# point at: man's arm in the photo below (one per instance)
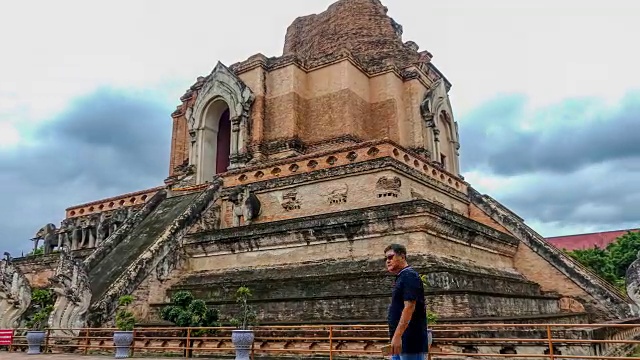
(410, 287)
(396, 340)
(407, 313)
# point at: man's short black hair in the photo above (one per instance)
(397, 248)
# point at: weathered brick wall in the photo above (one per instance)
(179, 143)
(471, 305)
(360, 291)
(550, 279)
(533, 267)
(360, 26)
(360, 192)
(38, 269)
(180, 139)
(336, 114)
(154, 289)
(478, 215)
(331, 101)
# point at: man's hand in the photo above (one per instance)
(396, 345)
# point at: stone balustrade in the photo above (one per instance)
(112, 203)
(354, 154)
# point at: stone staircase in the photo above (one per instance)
(132, 253)
(143, 249)
(104, 273)
(610, 300)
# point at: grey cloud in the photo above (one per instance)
(106, 143)
(605, 196)
(583, 132)
(579, 171)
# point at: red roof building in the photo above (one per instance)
(586, 241)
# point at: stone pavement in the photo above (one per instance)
(4, 355)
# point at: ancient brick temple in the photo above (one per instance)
(291, 174)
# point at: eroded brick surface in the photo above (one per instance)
(360, 26)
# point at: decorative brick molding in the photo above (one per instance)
(349, 155)
(112, 203)
(107, 246)
(347, 225)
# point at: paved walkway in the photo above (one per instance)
(20, 356)
(14, 356)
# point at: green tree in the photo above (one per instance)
(612, 262)
(42, 301)
(597, 260)
(247, 315)
(125, 321)
(623, 252)
(187, 311)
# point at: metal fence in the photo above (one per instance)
(543, 341)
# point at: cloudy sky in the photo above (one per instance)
(547, 97)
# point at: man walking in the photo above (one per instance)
(408, 312)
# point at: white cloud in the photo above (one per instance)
(9, 135)
(546, 49)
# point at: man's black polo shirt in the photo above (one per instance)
(408, 287)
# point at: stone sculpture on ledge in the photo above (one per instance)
(15, 294)
(48, 234)
(82, 232)
(71, 285)
(246, 206)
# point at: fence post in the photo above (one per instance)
(550, 340)
(133, 343)
(330, 342)
(187, 343)
(86, 340)
(46, 340)
(13, 336)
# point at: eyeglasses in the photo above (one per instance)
(389, 257)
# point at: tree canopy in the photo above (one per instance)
(611, 263)
(187, 311)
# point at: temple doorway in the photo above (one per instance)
(215, 141)
(223, 143)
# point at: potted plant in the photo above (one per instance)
(36, 333)
(42, 303)
(125, 322)
(242, 338)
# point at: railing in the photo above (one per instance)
(542, 341)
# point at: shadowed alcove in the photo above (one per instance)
(216, 139)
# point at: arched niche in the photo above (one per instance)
(449, 140)
(215, 139)
(441, 131)
(223, 96)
